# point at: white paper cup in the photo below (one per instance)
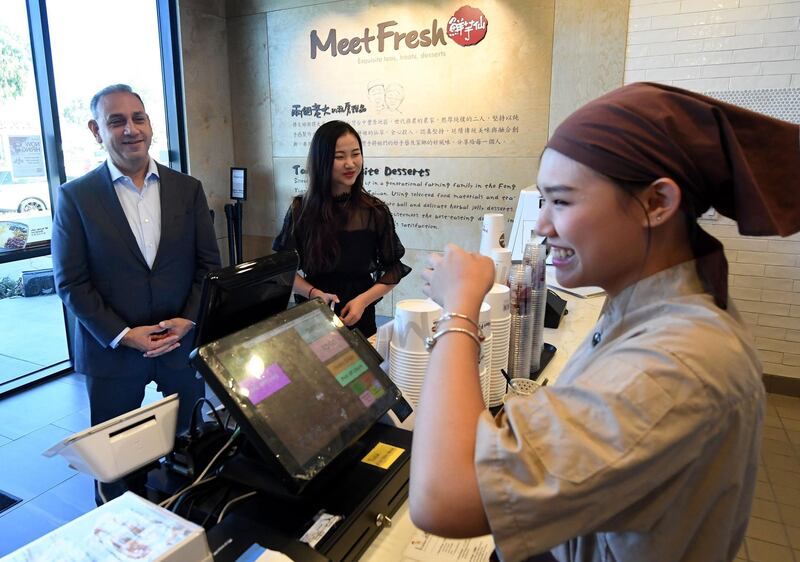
(409, 374)
(413, 322)
(492, 233)
(502, 263)
(416, 368)
(413, 377)
(417, 371)
(485, 319)
(485, 323)
(499, 298)
(406, 353)
(409, 371)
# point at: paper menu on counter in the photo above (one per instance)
(126, 528)
(425, 547)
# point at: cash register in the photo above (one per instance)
(306, 393)
(307, 470)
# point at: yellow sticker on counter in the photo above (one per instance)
(383, 455)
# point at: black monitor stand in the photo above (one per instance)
(548, 350)
(248, 469)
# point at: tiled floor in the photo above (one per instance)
(53, 493)
(774, 531)
(30, 422)
(37, 340)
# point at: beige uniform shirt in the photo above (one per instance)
(646, 447)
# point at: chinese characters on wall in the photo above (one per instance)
(444, 130)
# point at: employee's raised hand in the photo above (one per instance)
(457, 278)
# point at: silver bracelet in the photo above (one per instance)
(450, 315)
(430, 341)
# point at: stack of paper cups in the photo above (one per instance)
(408, 358)
(492, 233)
(485, 357)
(498, 298)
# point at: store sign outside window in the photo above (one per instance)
(27, 158)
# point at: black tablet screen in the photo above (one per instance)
(303, 384)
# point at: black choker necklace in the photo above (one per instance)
(342, 197)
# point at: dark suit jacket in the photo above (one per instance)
(103, 278)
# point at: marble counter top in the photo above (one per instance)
(581, 318)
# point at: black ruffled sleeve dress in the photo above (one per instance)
(370, 253)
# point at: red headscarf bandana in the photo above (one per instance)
(744, 164)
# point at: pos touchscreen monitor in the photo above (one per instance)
(302, 386)
(240, 295)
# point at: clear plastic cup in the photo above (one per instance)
(521, 336)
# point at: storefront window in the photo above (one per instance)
(24, 191)
(32, 337)
(120, 44)
(89, 44)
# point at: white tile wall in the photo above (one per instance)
(767, 26)
(707, 5)
(659, 9)
(755, 82)
(765, 285)
(702, 84)
(782, 38)
(746, 52)
(703, 31)
(734, 42)
(763, 54)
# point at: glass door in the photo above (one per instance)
(121, 45)
(32, 329)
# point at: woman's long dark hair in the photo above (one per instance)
(320, 217)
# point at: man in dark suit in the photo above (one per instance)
(132, 241)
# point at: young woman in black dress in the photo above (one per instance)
(349, 250)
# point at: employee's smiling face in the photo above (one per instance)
(594, 228)
(347, 163)
(123, 127)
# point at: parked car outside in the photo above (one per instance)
(23, 197)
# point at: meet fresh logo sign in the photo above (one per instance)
(466, 27)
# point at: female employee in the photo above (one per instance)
(646, 448)
(349, 250)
